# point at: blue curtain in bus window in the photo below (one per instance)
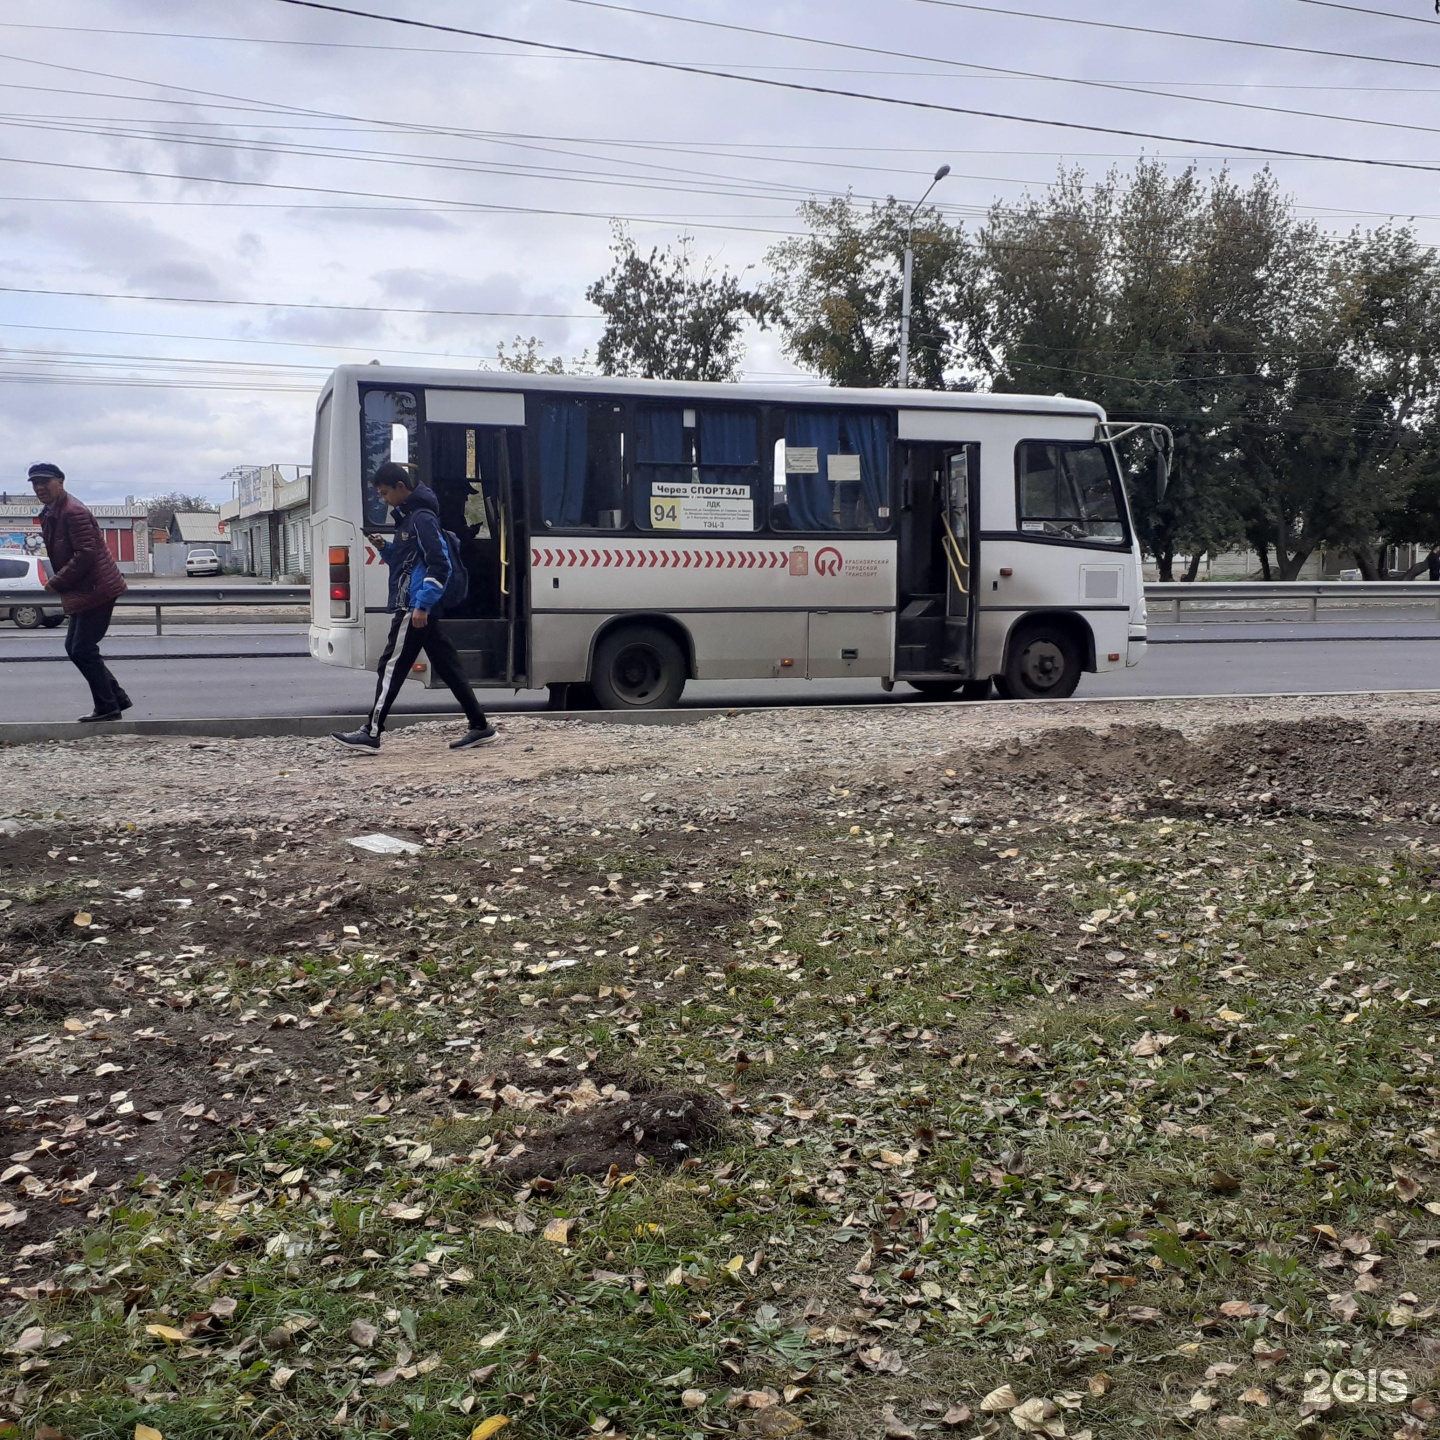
(870, 439)
(564, 443)
(660, 450)
(727, 437)
(808, 496)
(660, 436)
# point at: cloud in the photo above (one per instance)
(114, 442)
(551, 120)
(374, 217)
(501, 303)
(187, 277)
(326, 327)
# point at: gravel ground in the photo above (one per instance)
(1358, 754)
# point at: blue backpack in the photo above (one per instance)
(457, 588)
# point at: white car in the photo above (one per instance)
(29, 572)
(203, 562)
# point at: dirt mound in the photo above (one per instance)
(663, 1128)
(1315, 765)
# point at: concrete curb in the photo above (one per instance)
(250, 727)
(260, 727)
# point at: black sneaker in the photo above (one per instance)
(359, 739)
(472, 738)
(99, 715)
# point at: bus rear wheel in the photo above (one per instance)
(638, 667)
(1044, 663)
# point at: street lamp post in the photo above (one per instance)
(940, 174)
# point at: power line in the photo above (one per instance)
(325, 345)
(298, 305)
(895, 100)
(1361, 10)
(469, 206)
(1171, 34)
(1124, 87)
(727, 186)
(507, 54)
(249, 105)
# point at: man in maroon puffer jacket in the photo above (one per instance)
(88, 582)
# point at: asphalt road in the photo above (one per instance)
(237, 671)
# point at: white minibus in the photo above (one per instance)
(627, 536)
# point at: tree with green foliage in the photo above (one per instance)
(1299, 372)
(667, 320)
(527, 357)
(161, 509)
(1389, 296)
(836, 294)
(1295, 370)
(1132, 292)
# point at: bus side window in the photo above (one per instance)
(389, 430)
(832, 472)
(1068, 489)
(582, 465)
(696, 468)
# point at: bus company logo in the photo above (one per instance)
(829, 561)
(799, 561)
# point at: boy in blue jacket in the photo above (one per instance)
(419, 562)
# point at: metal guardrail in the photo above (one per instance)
(1197, 602)
(178, 597)
(1259, 600)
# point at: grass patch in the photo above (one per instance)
(1136, 1118)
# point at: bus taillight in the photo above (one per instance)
(339, 582)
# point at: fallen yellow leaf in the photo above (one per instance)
(492, 1426)
(83, 919)
(1000, 1401)
(167, 1332)
(147, 1432)
(558, 1231)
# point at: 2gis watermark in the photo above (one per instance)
(1357, 1387)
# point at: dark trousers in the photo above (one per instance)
(82, 645)
(402, 649)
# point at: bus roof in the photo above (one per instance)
(805, 393)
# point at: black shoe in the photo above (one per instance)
(123, 701)
(99, 715)
(484, 736)
(359, 739)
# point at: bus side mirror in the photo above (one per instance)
(1162, 475)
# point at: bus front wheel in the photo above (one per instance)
(638, 668)
(1044, 663)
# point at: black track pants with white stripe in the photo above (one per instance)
(402, 650)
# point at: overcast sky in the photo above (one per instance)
(289, 158)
